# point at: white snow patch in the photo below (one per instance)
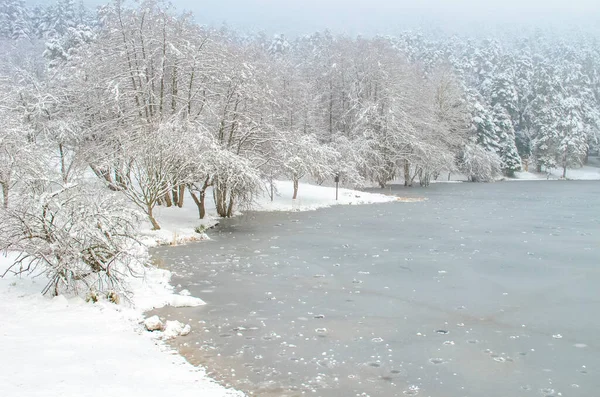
(96, 349)
(173, 329)
(585, 173)
(153, 324)
(312, 197)
(185, 301)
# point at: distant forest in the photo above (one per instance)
(154, 104)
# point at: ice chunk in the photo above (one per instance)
(153, 324)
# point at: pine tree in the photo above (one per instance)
(504, 92)
(505, 135)
(572, 136)
(482, 124)
(543, 114)
(523, 79)
(55, 20)
(15, 22)
(279, 45)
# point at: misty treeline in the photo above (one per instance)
(140, 105)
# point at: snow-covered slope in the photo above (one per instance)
(66, 347)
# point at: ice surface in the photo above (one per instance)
(439, 297)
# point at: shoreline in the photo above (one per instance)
(104, 348)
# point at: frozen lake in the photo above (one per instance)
(482, 290)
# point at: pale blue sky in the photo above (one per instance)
(385, 16)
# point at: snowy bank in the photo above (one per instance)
(65, 347)
(585, 173)
(178, 225)
(100, 349)
(312, 197)
(181, 225)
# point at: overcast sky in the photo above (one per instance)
(386, 16)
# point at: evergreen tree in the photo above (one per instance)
(505, 135)
(279, 45)
(15, 23)
(572, 139)
(504, 92)
(482, 124)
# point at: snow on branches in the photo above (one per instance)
(77, 237)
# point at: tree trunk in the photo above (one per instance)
(413, 177)
(155, 225)
(167, 198)
(220, 196)
(181, 195)
(230, 207)
(295, 189)
(421, 178)
(63, 167)
(407, 179)
(4, 194)
(564, 175)
(175, 193)
(200, 200)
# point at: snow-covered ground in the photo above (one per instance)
(67, 347)
(312, 197)
(585, 173)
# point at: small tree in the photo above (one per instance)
(306, 156)
(479, 164)
(153, 160)
(78, 237)
(236, 181)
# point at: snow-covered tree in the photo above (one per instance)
(79, 238)
(505, 135)
(479, 164)
(572, 137)
(304, 155)
(154, 165)
(482, 125)
(279, 45)
(15, 21)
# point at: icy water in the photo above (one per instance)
(483, 290)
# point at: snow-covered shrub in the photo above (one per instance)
(479, 164)
(236, 183)
(78, 237)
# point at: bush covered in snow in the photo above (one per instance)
(77, 237)
(479, 164)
